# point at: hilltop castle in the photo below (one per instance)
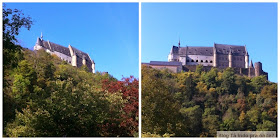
(71, 55)
(220, 56)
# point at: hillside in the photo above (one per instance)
(45, 96)
(199, 103)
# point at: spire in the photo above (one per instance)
(251, 64)
(179, 43)
(41, 35)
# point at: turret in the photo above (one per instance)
(38, 44)
(93, 67)
(92, 64)
(73, 56)
(215, 56)
(251, 71)
(251, 64)
(170, 56)
(230, 58)
(246, 58)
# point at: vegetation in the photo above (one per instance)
(45, 96)
(198, 104)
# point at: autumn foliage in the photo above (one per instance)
(200, 103)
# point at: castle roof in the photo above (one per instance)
(235, 49)
(64, 50)
(190, 50)
(208, 51)
(55, 47)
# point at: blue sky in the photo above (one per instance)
(108, 32)
(202, 24)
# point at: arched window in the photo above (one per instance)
(201, 61)
(196, 61)
(210, 61)
(192, 60)
(206, 61)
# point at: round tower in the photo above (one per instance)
(258, 68)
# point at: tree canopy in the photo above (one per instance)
(198, 104)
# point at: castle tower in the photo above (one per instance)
(215, 56)
(258, 68)
(230, 58)
(251, 70)
(73, 55)
(246, 58)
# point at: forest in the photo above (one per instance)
(198, 104)
(44, 96)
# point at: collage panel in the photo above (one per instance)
(70, 69)
(209, 70)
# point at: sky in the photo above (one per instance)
(108, 32)
(202, 24)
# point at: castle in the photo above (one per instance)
(220, 56)
(71, 55)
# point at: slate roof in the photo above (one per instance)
(191, 50)
(55, 47)
(235, 49)
(166, 63)
(208, 51)
(81, 54)
(200, 51)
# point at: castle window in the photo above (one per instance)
(206, 61)
(196, 61)
(210, 61)
(201, 60)
(192, 60)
